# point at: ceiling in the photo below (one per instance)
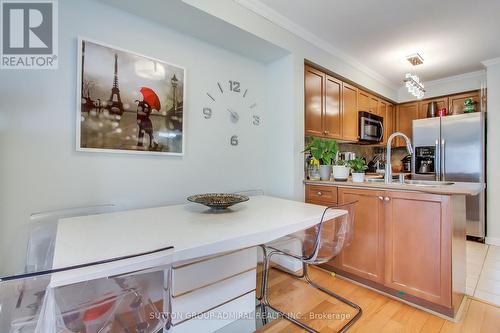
(194, 22)
(453, 36)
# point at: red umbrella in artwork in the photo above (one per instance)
(151, 98)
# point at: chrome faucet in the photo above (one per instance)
(388, 165)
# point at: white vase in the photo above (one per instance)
(325, 172)
(358, 177)
(340, 172)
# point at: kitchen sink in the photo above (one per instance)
(375, 180)
(429, 183)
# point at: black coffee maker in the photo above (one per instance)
(424, 160)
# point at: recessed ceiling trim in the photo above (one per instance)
(276, 18)
(491, 62)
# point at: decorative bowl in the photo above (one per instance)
(218, 201)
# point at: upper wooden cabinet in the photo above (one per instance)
(405, 114)
(322, 104)
(314, 85)
(456, 102)
(367, 102)
(349, 112)
(373, 105)
(331, 107)
(332, 121)
(418, 245)
(388, 122)
(442, 102)
(363, 101)
(382, 108)
(364, 256)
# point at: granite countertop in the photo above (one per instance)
(456, 188)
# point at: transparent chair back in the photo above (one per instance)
(324, 241)
(125, 304)
(40, 249)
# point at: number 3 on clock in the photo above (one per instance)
(234, 86)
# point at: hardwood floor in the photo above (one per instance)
(380, 313)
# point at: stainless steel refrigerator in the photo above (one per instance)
(452, 149)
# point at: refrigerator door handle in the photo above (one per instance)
(442, 156)
(437, 161)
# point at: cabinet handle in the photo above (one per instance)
(320, 194)
(381, 198)
(327, 132)
(387, 199)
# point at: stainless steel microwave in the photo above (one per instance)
(371, 128)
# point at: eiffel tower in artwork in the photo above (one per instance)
(115, 104)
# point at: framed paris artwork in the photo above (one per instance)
(128, 103)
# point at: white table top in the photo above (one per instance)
(192, 229)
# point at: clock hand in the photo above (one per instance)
(234, 115)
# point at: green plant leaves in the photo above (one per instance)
(324, 150)
(358, 165)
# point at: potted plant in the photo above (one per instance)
(341, 170)
(313, 169)
(358, 167)
(324, 151)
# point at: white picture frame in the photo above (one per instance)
(83, 132)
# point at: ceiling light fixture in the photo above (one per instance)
(415, 59)
(414, 86)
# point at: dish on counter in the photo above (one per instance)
(218, 201)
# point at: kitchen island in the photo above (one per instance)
(409, 240)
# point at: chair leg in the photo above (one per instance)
(305, 277)
(264, 256)
(340, 298)
(265, 299)
(263, 285)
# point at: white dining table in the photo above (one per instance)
(193, 230)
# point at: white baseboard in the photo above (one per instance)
(492, 241)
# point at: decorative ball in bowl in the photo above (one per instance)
(218, 201)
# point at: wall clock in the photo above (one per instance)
(234, 102)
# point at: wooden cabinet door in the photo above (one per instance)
(349, 112)
(418, 246)
(363, 101)
(422, 107)
(388, 122)
(382, 108)
(314, 85)
(332, 120)
(364, 256)
(405, 114)
(373, 105)
(456, 103)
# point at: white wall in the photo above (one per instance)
(289, 167)
(493, 121)
(39, 167)
(447, 86)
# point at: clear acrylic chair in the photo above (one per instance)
(40, 249)
(319, 244)
(127, 303)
